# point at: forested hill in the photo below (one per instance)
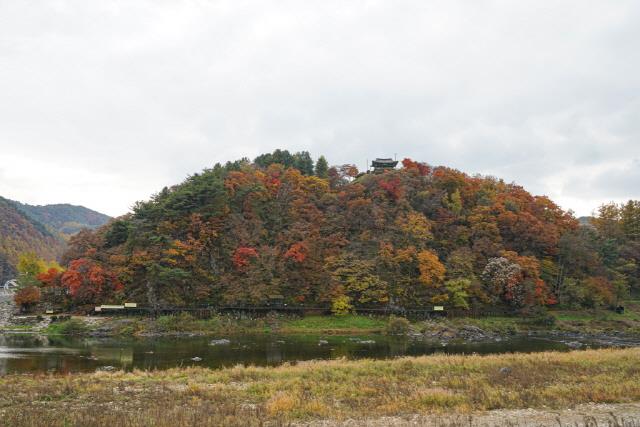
(280, 228)
(64, 219)
(19, 234)
(39, 229)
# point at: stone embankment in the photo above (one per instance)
(12, 321)
(469, 333)
(7, 307)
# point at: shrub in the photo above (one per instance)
(27, 297)
(540, 317)
(398, 326)
(341, 306)
(68, 327)
(182, 322)
(458, 290)
(598, 292)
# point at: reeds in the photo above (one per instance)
(324, 390)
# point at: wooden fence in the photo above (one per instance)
(257, 311)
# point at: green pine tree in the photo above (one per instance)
(322, 167)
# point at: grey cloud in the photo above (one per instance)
(131, 96)
(612, 182)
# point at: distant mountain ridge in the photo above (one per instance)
(39, 229)
(65, 219)
(18, 234)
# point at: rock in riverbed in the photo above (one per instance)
(222, 341)
(444, 333)
(505, 370)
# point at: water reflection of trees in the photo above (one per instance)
(30, 353)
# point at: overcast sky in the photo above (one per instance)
(104, 103)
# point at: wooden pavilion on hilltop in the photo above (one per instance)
(381, 165)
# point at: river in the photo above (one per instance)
(23, 353)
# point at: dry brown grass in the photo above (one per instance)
(333, 390)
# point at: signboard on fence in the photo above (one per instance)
(438, 308)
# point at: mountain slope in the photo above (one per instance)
(18, 234)
(65, 219)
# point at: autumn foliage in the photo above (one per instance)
(87, 282)
(412, 237)
(297, 252)
(242, 256)
(422, 168)
(27, 297)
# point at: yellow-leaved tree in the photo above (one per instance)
(432, 273)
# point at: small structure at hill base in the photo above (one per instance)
(381, 165)
(276, 301)
(10, 285)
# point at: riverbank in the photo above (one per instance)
(587, 323)
(599, 323)
(331, 391)
(186, 325)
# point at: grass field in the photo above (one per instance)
(631, 313)
(328, 390)
(185, 324)
(338, 324)
(601, 320)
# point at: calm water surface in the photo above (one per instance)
(29, 353)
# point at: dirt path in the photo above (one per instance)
(590, 415)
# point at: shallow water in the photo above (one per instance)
(31, 353)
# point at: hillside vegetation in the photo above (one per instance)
(281, 229)
(19, 234)
(39, 230)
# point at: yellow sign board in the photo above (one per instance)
(438, 308)
(130, 305)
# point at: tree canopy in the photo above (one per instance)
(410, 237)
